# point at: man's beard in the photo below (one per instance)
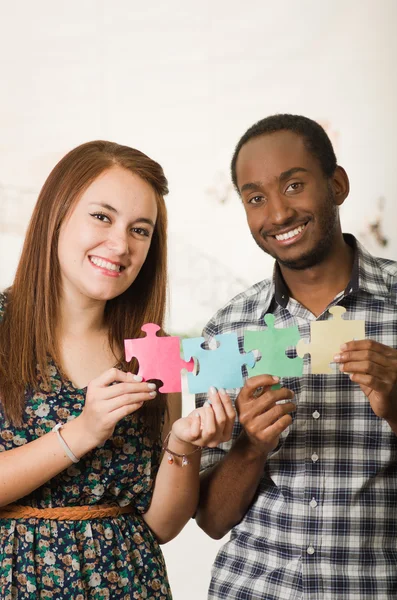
(327, 222)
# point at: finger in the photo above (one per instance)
(277, 428)
(371, 382)
(367, 356)
(195, 427)
(262, 423)
(369, 345)
(208, 425)
(230, 413)
(112, 375)
(370, 369)
(269, 399)
(118, 389)
(254, 387)
(218, 410)
(260, 381)
(129, 399)
(124, 411)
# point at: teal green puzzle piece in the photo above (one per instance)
(221, 367)
(272, 343)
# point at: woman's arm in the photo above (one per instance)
(176, 489)
(26, 468)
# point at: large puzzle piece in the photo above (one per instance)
(327, 337)
(158, 358)
(221, 367)
(272, 343)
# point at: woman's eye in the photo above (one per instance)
(141, 231)
(100, 217)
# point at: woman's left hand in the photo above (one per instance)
(209, 425)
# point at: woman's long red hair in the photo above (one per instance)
(27, 332)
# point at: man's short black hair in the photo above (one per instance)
(314, 137)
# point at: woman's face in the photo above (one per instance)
(104, 241)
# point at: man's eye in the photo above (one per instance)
(294, 187)
(100, 217)
(255, 200)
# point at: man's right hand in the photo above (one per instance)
(261, 418)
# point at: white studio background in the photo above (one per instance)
(182, 81)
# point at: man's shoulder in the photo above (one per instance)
(243, 308)
(379, 271)
(388, 267)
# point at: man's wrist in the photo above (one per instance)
(251, 450)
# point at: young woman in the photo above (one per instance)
(80, 434)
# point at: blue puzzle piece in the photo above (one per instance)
(221, 367)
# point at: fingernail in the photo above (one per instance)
(208, 403)
(151, 386)
(341, 367)
(138, 378)
(152, 394)
(222, 391)
(336, 357)
(343, 347)
(275, 378)
(197, 414)
(212, 390)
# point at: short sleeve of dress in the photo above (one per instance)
(3, 299)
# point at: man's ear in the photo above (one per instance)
(341, 185)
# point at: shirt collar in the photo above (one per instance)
(366, 275)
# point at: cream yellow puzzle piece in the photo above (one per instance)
(326, 338)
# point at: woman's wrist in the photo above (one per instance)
(77, 437)
(175, 444)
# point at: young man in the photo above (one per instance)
(308, 486)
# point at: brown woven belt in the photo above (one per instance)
(67, 513)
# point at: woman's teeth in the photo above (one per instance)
(99, 262)
(290, 234)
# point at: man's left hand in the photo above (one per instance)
(374, 367)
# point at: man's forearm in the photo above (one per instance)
(227, 489)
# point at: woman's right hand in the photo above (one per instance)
(111, 397)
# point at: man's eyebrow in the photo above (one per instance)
(256, 185)
(286, 174)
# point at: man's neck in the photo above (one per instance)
(315, 288)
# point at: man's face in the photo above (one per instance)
(290, 205)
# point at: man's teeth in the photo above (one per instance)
(290, 234)
(105, 264)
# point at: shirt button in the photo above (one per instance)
(316, 414)
(314, 457)
(313, 503)
(310, 550)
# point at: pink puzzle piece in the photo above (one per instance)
(158, 358)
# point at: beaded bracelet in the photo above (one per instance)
(171, 453)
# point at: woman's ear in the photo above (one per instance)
(341, 185)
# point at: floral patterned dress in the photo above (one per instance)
(113, 557)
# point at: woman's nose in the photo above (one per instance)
(118, 242)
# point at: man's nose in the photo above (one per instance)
(280, 210)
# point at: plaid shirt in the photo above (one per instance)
(323, 524)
